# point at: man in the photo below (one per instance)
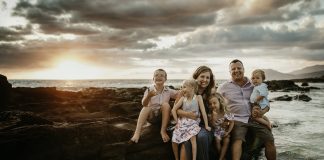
(237, 92)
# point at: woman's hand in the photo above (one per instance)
(192, 115)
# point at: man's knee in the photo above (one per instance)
(270, 145)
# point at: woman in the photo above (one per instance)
(205, 79)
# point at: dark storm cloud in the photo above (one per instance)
(152, 15)
(14, 33)
(49, 19)
(117, 33)
(17, 56)
(270, 11)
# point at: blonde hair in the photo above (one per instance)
(222, 103)
(259, 71)
(192, 83)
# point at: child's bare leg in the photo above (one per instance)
(218, 145)
(194, 147)
(183, 155)
(226, 141)
(175, 150)
(165, 109)
(267, 119)
(144, 114)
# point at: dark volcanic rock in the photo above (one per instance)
(302, 97)
(283, 98)
(286, 85)
(5, 92)
(91, 124)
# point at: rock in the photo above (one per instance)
(302, 97)
(304, 84)
(14, 119)
(5, 92)
(283, 98)
(285, 85)
(95, 123)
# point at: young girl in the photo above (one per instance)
(222, 121)
(188, 128)
(259, 97)
(155, 101)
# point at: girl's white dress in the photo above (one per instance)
(186, 127)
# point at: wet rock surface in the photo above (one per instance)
(44, 123)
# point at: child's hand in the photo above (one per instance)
(255, 112)
(151, 93)
(208, 128)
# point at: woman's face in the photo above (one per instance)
(203, 79)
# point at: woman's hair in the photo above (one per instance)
(222, 103)
(192, 83)
(261, 73)
(203, 69)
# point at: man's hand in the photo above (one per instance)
(225, 124)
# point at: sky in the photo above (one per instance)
(127, 39)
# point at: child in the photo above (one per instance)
(222, 121)
(188, 128)
(155, 101)
(259, 97)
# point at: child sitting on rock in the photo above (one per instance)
(156, 102)
(222, 121)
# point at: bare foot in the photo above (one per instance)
(165, 136)
(135, 138)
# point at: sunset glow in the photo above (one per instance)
(70, 69)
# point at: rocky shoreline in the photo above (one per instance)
(95, 123)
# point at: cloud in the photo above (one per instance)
(14, 33)
(129, 34)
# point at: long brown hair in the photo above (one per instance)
(203, 69)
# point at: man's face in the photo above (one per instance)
(237, 71)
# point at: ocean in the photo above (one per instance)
(300, 130)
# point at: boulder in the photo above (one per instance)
(302, 97)
(283, 98)
(5, 92)
(285, 85)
